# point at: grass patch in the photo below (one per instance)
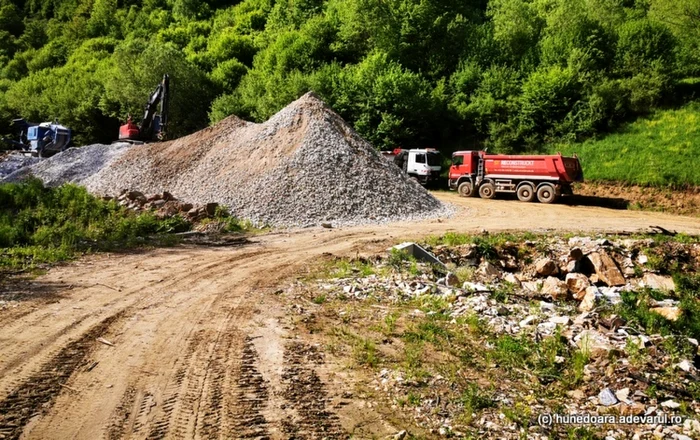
(663, 149)
(636, 310)
(47, 225)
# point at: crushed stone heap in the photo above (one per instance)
(302, 167)
(71, 166)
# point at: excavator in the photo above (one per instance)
(155, 120)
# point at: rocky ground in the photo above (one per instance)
(517, 327)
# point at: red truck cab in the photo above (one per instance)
(544, 177)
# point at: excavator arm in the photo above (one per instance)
(154, 122)
(155, 117)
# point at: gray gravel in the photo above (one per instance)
(13, 162)
(73, 165)
(303, 167)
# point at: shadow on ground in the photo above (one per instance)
(603, 202)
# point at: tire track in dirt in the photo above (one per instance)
(18, 354)
(306, 394)
(37, 393)
(251, 397)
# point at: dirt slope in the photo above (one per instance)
(202, 348)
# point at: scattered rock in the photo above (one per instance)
(511, 278)
(588, 302)
(489, 270)
(670, 313)
(577, 284)
(594, 342)
(545, 267)
(658, 282)
(672, 404)
(562, 320)
(556, 288)
(606, 269)
(606, 397)
(400, 435)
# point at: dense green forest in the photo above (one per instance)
(511, 75)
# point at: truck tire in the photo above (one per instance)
(526, 192)
(465, 189)
(546, 194)
(487, 191)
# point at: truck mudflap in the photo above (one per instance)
(564, 190)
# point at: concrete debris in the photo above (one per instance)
(417, 251)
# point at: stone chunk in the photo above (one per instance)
(556, 288)
(670, 313)
(658, 282)
(545, 267)
(606, 269)
(489, 270)
(589, 299)
(594, 342)
(577, 284)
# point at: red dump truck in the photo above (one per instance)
(543, 177)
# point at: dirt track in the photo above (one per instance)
(202, 347)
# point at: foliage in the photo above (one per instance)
(664, 148)
(510, 75)
(39, 224)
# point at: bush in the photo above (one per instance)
(54, 223)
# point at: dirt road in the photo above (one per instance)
(195, 343)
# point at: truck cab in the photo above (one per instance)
(422, 164)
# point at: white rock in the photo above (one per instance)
(658, 282)
(562, 320)
(672, 404)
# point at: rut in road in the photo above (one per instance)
(38, 392)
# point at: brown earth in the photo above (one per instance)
(201, 345)
(614, 194)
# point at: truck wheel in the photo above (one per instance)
(546, 194)
(526, 193)
(465, 189)
(487, 191)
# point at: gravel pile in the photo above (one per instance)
(302, 167)
(73, 165)
(12, 162)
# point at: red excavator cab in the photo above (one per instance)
(129, 131)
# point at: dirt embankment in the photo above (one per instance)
(201, 346)
(675, 201)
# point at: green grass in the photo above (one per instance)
(662, 149)
(47, 225)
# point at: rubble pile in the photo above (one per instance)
(164, 205)
(305, 166)
(563, 287)
(73, 165)
(11, 162)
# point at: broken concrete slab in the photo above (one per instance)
(416, 251)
